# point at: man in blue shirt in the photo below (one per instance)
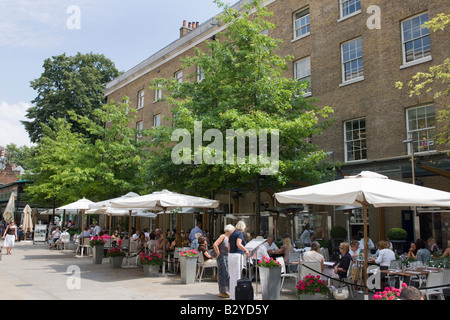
(197, 229)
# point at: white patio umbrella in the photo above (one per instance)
(8, 214)
(27, 224)
(81, 204)
(165, 200)
(362, 190)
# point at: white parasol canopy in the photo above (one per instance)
(375, 189)
(27, 224)
(82, 204)
(364, 189)
(8, 214)
(165, 200)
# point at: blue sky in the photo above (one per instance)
(127, 32)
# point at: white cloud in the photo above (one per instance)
(11, 130)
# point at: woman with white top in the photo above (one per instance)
(385, 256)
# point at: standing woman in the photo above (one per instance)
(236, 250)
(10, 235)
(221, 249)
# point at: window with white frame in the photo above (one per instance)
(352, 60)
(415, 38)
(140, 99)
(179, 76)
(302, 72)
(421, 126)
(158, 92)
(355, 140)
(157, 120)
(301, 23)
(139, 128)
(349, 7)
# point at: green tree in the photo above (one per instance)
(105, 162)
(68, 83)
(19, 155)
(243, 88)
(436, 82)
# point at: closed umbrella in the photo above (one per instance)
(8, 214)
(362, 190)
(27, 224)
(165, 200)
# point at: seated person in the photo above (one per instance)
(202, 248)
(56, 234)
(270, 245)
(314, 255)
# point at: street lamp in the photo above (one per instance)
(413, 175)
(411, 142)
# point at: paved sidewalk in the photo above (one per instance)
(34, 272)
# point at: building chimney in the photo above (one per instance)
(185, 29)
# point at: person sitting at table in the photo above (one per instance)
(115, 237)
(286, 249)
(446, 253)
(354, 252)
(162, 242)
(203, 249)
(314, 255)
(141, 243)
(194, 243)
(86, 233)
(151, 243)
(432, 246)
(412, 252)
(411, 293)
(385, 256)
(56, 234)
(270, 245)
(423, 254)
(342, 266)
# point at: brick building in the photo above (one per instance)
(352, 52)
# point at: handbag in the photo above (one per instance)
(341, 294)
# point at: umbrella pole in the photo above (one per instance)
(366, 253)
(129, 236)
(164, 244)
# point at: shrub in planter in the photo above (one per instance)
(338, 232)
(397, 234)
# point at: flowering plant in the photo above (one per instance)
(189, 253)
(389, 293)
(267, 262)
(312, 285)
(153, 259)
(96, 241)
(115, 252)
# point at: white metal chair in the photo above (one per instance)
(85, 245)
(434, 279)
(293, 260)
(65, 240)
(202, 266)
(306, 268)
(285, 274)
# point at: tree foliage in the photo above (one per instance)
(68, 83)
(243, 88)
(105, 162)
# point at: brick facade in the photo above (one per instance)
(373, 98)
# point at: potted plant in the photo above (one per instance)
(97, 245)
(270, 271)
(389, 293)
(151, 263)
(115, 257)
(188, 265)
(312, 288)
(398, 237)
